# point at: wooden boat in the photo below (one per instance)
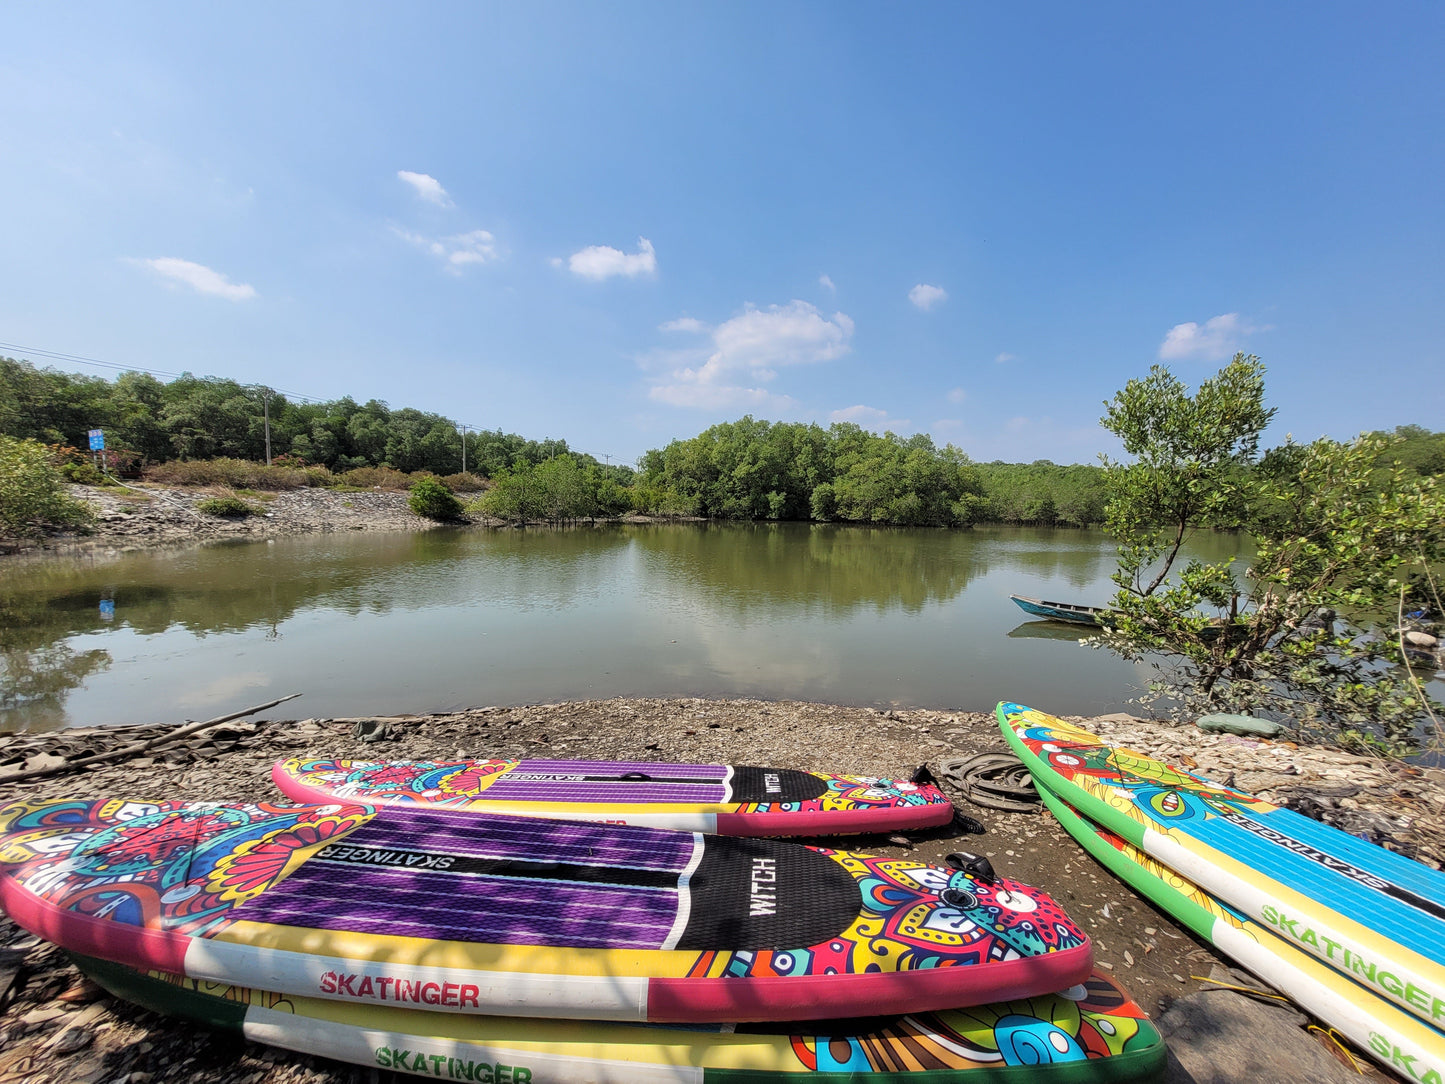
(1096, 616)
(1062, 611)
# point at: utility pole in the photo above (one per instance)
(266, 394)
(464, 449)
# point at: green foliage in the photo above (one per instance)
(1042, 493)
(431, 499)
(1418, 451)
(1188, 453)
(558, 490)
(1337, 528)
(32, 491)
(227, 508)
(752, 469)
(83, 473)
(208, 417)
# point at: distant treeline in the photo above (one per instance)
(192, 417)
(748, 469)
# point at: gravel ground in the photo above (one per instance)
(148, 515)
(54, 1027)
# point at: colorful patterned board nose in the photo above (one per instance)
(1374, 916)
(714, 799)
(475, 913)
(1089, 1033)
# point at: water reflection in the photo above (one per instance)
(444, 619)
(831, 569)
(1052, 630)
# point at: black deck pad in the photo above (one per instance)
(759, 894)
(776, 785)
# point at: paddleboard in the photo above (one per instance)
(474, 913)
(1375, 916)
(722, 800)
(1397, 1040)
(1089, 1033)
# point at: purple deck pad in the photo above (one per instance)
(703, 784)
(714, 772)
(521, 790)
(486, 908)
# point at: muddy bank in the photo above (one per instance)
(162, 515)
(152, 515)
(55, 1028)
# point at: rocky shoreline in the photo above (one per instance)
(56, 1027)
(146, 515)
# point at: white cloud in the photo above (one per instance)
(870, 417)
(925, 296)
(458, 250)
(791, 334)
(599, 262)
(860, 414)
(200, 278)
(957, 395)
(426, 187)
(824, 280)
(684, 323)
(746, 351)
(1004, 358)
(720, 397)
(478, 246)
(1219, 338)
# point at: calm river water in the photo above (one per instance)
(391, 623)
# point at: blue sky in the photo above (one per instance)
(621, 223)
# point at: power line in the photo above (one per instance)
(78, 359)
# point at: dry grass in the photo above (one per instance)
(237, 474)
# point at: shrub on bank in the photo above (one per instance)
(227, 508)
(84, 474)
(32, 491)
(464, 483)
(433, 500)
(376, 478)
(237, 474)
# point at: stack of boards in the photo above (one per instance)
(430, 940)
(1089, 1034)
(1351, 932)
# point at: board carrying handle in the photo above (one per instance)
(976, 865)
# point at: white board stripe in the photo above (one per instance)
(727, 782)
(684, 893)
(449, 1059)
(1392, 977)
(1369, 1022)
(419, 986)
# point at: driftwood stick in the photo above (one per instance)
(140, 746)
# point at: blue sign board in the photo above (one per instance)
(97, 440)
